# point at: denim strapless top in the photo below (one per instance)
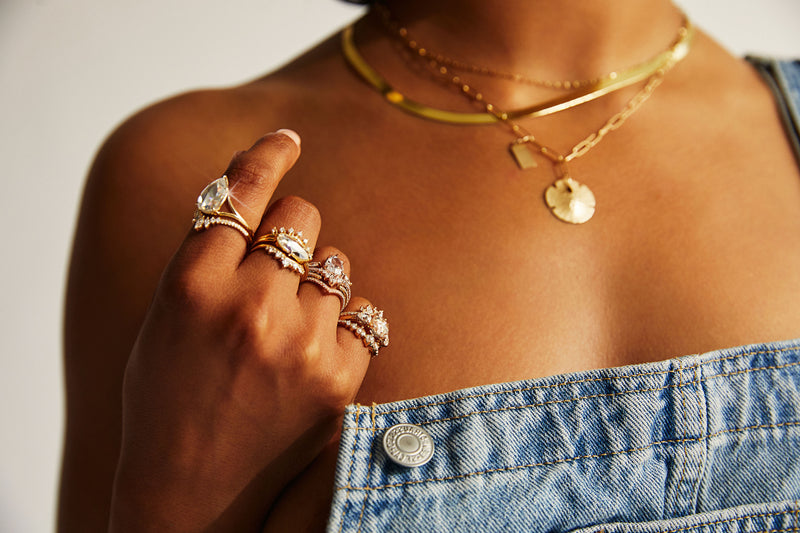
(705, 442)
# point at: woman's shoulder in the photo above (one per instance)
(210, 124)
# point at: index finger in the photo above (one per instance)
(241, 198)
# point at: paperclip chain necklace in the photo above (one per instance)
(568, 199)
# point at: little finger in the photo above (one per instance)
(362, 326)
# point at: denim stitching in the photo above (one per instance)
(676, 499)
(569, 400)
(796, 509)
(727, 520)
(369, 466)
(540, 404)
(350, 472)
(590, 380)
(571, 459)
(701, 423)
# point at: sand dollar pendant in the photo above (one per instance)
(570, 200)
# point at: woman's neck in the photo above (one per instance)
(565, 39)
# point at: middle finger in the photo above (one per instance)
(287, 233)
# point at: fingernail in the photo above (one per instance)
(291, 134)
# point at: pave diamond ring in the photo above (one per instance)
(287, 246)
(330, 277)
(209, 212)
(369, 325)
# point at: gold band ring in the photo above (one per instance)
(367, 324)
(287, 246)
(330, 277)
(209, 212)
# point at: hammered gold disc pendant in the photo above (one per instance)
(570, 201)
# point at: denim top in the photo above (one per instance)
(704, 443)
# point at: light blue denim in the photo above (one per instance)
(700, 444)
(706, 443)
(783, 78)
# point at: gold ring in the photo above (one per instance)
(367, 324)
(287, 246)
(330, 277)
(208, 211)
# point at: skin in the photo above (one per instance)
(695, 246)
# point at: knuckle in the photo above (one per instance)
(187, 287)
(265, 162)
(312, 365)
(308, 355)
(250, 321)
(296, 208)
(339, 390)
(253, 171)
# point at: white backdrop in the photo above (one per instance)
(70, 70)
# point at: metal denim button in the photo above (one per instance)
(408, 445)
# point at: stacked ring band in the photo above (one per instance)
(330, 277)
(287, 246)
(369, 325)
(209, 213)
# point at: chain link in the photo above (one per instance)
(457, 64)
(441, 64)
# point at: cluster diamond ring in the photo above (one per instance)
(287, 246)
(330, 277)
(367, 324)
(209, 211)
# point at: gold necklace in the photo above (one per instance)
(583, 95)
(456, 64)
(568, 199)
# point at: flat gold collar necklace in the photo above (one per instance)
(569, 200)
(582, 95)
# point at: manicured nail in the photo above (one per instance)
(291, 134)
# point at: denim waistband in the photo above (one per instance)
(706, 436)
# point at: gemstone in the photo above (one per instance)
(293, 247)
(333, 271)
(373, 318)
(213, 196)
(381, 329)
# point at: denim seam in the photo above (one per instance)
(591, 380)
(796, 509)
(702, 421)
(369, 467)
(350, 473)
(569, 400)
(676, 499)
(727, 521)
(571, 459)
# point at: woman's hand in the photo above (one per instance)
(239, 374)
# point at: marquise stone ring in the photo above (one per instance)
(330, 277)
(209, 211)
(368, 325)
(287, 246)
